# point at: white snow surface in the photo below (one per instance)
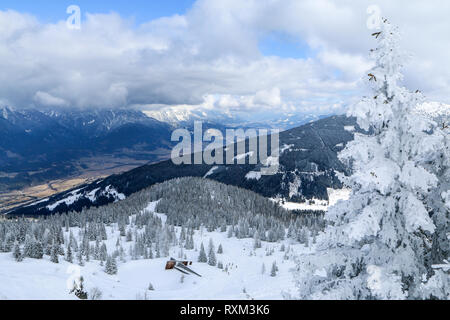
(37, 202)
(41, 279)
(334, 195)
(350, 128)
(76, 195)
(113, 192)
(210, 172)
(253, 175)
(244, 155)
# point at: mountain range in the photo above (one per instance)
(308, 166)
(38, 146)
(308, 161)
(185, 116)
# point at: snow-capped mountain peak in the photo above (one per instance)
(175, 115)
(436, 110)
(4, 112)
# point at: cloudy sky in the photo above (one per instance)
(306, 56)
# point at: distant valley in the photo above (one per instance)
(308, 167)
(41, 146)
(67, 148)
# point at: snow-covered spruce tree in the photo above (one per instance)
(80, 259)
(17, 254)
(111, 266)
(202, 255)
(69, 256)
(212, 261)
(37, 251)
(274, 270)
(54, 253)
(375, 244)
(439, 198)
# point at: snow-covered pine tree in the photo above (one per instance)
(212, 261)
(103, 252)
(439, 198)
(80, 258)
(274, 270)
(189, 245)
(374, 246)
(37, 251)
(129, 236)
(256, 241)
(54, 253)
(202, 255)
(230, 232)
(17, 254)
(28, 246)
(69, 256)
(111, 266)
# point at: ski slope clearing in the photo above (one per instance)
(334, 195)
(241, 278)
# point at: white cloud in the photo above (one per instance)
(270, 98)
(47, 100)
(210, 57)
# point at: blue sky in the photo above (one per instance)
(284, 45)
(141, 10)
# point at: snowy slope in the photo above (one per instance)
(41, 279)
(334, 195)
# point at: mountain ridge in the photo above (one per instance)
(308, 167)
(38, 146)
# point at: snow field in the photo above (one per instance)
(41, 279)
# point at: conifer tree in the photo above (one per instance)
(111, 266)
(376, 242)
(80, 258)
(202, 256)
(274, 270)
(17, 254)
(38, 251)
(212, 261)
(54, 253)
(69, 257)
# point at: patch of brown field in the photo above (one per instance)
(90, 169)
(10, 200)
